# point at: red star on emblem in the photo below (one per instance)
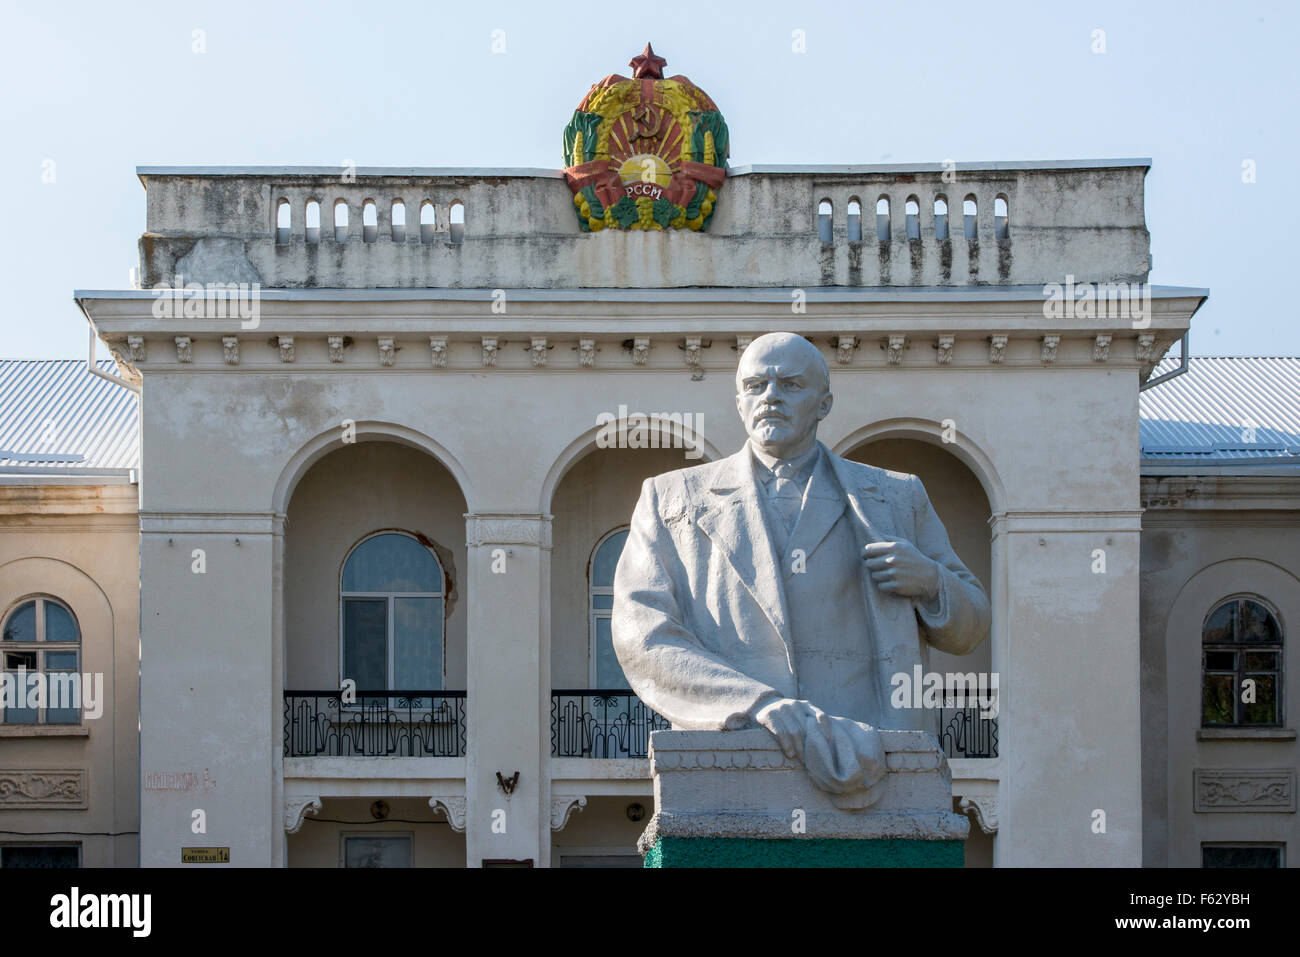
(647, 66)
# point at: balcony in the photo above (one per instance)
(963, 733)
(417, 724)
(587, 723)
(595, 723)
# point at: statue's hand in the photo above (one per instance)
(899, 568)
(787, 719)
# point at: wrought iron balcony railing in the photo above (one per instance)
(601, 723)
(419, 724)
(964, 733)
(588, 723)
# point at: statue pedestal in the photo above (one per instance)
(732, 799)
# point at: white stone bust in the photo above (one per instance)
(783, 586)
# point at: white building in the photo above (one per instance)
(394, 471)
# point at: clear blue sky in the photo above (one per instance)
(99, 88)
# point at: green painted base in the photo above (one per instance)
(796, 852)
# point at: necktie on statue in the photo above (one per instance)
(786, 496)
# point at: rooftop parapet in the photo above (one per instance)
(774, 226)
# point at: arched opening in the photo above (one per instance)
(428, 219)
(882, 219)
(968, 211)
(340, 221)
(399, 221)
(311, 218)
(824, 211)
(941, 217)
(369, 222)
(592, 505)
(1001, 228)
(374, 557)
(456, 222)
(855, 220)
(283, 222)
(912, 212)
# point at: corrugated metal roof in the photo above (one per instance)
(55, 416)
(1224, 409)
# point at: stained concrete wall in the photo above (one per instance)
(521, 230)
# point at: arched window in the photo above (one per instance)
(311, 219)
(1241, 665)
(456, 222)
(369, 222)
(399, 221)
(606, 673)
(941, 217)
(912, 222)
(427, 221)
(882, 219)
(854, 211)
(391, 615)
(1000, 228)
(968, 210)
(341, 221)
(824, 211)
(283, 221)
(42, 650)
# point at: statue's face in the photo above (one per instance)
(782, 394)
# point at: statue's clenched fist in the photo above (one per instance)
(899, 568)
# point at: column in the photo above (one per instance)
(208, 724)
(508, 702)
(1070, 721)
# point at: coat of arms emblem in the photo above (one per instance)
(645, 152)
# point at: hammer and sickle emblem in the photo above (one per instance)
(647, 122)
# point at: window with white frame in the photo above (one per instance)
(42, 655)
(606, 672)
(391, 615)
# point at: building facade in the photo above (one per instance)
(385, 465)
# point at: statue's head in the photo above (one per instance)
(783, 389)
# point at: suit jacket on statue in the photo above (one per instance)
(701, 623)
